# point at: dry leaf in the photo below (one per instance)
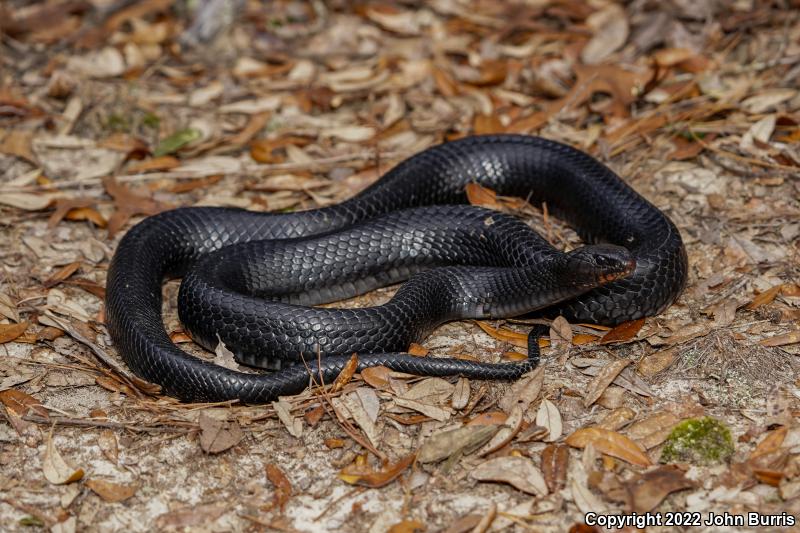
(650, 489)
(507, 432)
(484, 197)
(433, 411)
(61, 274)
(407, 526)
(505, 335)
(560, 333)
(555, 461)
(9, 332)
(55, 468)
(771, 443)
(765, 297)
(112, 492)
(653, 430)
(187, 517)
(610, 27)
(107, 441)
(792, 337)
(524, 391)
(218, 435)
(610, 443)
(624, 332)
(366, 477)
(346, 374)
(26, 201)
(548, 416)
(377, 376)
(19, 404)
(464, 440)
(518, 472)
(461, 394)
(652, 364)
(603, 379)
(283, 488)
(293, 425)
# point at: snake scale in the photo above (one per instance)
(252, 279)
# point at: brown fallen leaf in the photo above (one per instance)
(792, 337)
(463, 440)
(407, 526)
(61, 274)
(650, 489)
(377, 376)
(108, 444)
(482, 196)
(610, 443)
(519, 472)
(555, 461)
(765, 297)
(283, 488)
(112, 492)
(524, 391)
(366, 477)
(771, 443)
(127, 204)
(548, 416)
(217, 435)
(652, 364)
(198, 515)
(417, 349)
(653, 430)
(165, 162)
(55, 468)
(506, 335)
(346, 374)
(9, 332)
(624, 332)
(489, 418)
(17, 143)
(19, 404)
(603, 379)
(560, 333)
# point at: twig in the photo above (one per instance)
(80, 422)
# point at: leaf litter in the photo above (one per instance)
(116, 112)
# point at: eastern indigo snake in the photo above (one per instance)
(250, 278)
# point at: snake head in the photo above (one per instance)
(599, 264)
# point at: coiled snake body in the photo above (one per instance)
(249, 277)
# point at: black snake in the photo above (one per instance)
(250, 278)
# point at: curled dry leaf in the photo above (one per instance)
(624, 332)
(55, 468)
(610, 27)
(464, 440)
(9, 332)
(293, 425)
(555, 461)
(461, 393)
(610, 443)
(603, 379)
(507, 432)
(482, 196)
(517, 339)
(771, 443)
(548, 416)
(346, 374)
(283, 488)
(560, 333)
(364, 476)
(518, 472)
(112, 492)
(524, 391)
(18, 404)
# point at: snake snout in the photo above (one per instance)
(601, 263)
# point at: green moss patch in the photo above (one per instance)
(699, 441)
